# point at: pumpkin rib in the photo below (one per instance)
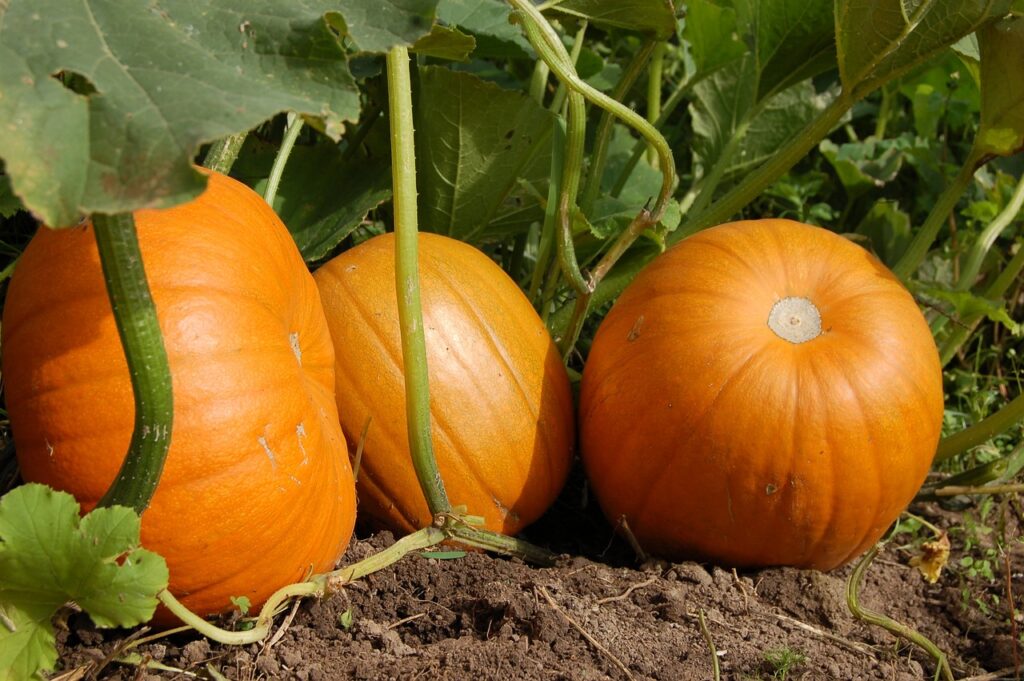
(507, 365)
(661, 478)
(816, 541)
(870, 444)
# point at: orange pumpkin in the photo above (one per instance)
(501, 409)
(763, 393)
(257, 489)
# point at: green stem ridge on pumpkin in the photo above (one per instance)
(944, 205)
(983, 431)
(410, 312)
(599, 157)
(887, 623)
(222, 153)
(959, 334)
(317, 585)
(291, 133)
(137, 324)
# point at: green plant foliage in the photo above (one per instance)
(49, 556)
(473, 139)
(444, 42)
(378, 25)
(1002, 108)
(487, 21)
(789, 40)
(647, 16)
(324, 195)
(878, 39)
(712, 35)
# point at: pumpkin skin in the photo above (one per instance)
(257, 488)
(501, 407)
(719, 440)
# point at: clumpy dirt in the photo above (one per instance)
(597, 615)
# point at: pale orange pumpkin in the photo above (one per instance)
(501, 409)
(257, 489)
(763, 393)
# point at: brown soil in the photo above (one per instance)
(596, 617)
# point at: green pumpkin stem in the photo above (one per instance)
(135, 316)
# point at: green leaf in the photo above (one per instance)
(1001, 131)
(323, 196)
(791, 40)
(724, 111)
(473, 140)
(712, 34)
(967, 305)
(641, 188)
(49, 556)
(887, 229)
(865, 166)
(9, 203)
(379, 25)
(154, 80)
(487, 21)
(647, 16)
(445, 43)
(879, 39)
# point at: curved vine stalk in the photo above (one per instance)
(139, 329)
(599, 157)
(316, 586)
(410, 313)
(291, 133)
(547, 44)
(1009, 415)
(887, 623)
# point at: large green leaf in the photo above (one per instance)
(879, 39)
(790, 39)
(488, 21)
(1002, 87)
(473, 139)
(378, 25)
(725, 110)
(712, 34)
(49, 556)
(324, 195)
(648, 16)
(445, 42)
(155, 80)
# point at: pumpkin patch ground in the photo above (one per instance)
(482, 617)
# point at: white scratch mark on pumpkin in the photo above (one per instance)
(270, 453)
(298, 483)
(300, 432)
(49, 447)
(293, 339)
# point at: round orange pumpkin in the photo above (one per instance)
(763, 393)
(257, 489)
(501, 409)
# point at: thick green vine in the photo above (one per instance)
(137, 324)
